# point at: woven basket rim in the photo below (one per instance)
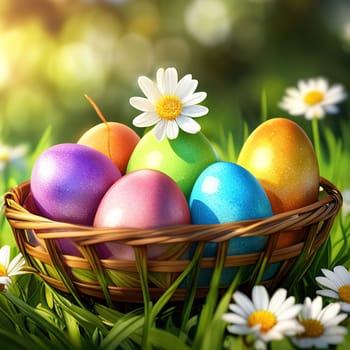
(322, 209)
(316, 218)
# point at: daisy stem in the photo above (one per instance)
(316, 137)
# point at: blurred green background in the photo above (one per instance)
(52, 52)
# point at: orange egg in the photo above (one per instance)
(281, 156)
(115, 140)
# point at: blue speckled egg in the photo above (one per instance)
(227, 192)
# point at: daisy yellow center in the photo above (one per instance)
(3, 270)
(313, 97)
(344, 293)
(169, 107)
(312, 329)
(264, 318)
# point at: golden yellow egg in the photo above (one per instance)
(281, 156)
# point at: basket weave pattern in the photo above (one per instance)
(60, 270)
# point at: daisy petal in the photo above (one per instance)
(271, 335)
(334, 340)
(186, 86)
(293, 92)
(321, 85)
(277, 299)
(233, 318)
(286, 305)
(328, 293)
(142, 104)
(260, 345)
(195, 98)
(335, 320)
(312, 84)
(332, 276)
(172, 129)
(288, 325)
(328, 283)
(338, 330)
(298, 109)
(302, 343)
(160, 80)
(293, 107)
(315, 307)
(170, 81)
(188, 125)
(242, 300)
(150, 90)
(238, 310)
(194, 111)
(331, 109)
(303, 86)
(343, 274)
(332, 99)
(239, 329)
(345, 307)
(314, 112)
(146, 119)
(4, 280)
(160, 130)
(5, 255)
(292, 311)
(306, 310)
(328, 312)
(260, 298)
(16, 264)
(336, 91)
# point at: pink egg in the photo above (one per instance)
(141, 199)
(69, 180)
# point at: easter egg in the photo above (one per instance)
(281, 156)
(144, 198)
(226, 192)
(29, 205)
(115, 140)
(68, 182)
(183, 158)
(65, 245)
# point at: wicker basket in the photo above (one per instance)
(124, 280)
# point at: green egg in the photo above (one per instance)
(183, 158)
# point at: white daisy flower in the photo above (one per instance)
(337, 284)
(321, 325)
(9, 268)
(266, 319)
(170, 104)
(313, 98)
